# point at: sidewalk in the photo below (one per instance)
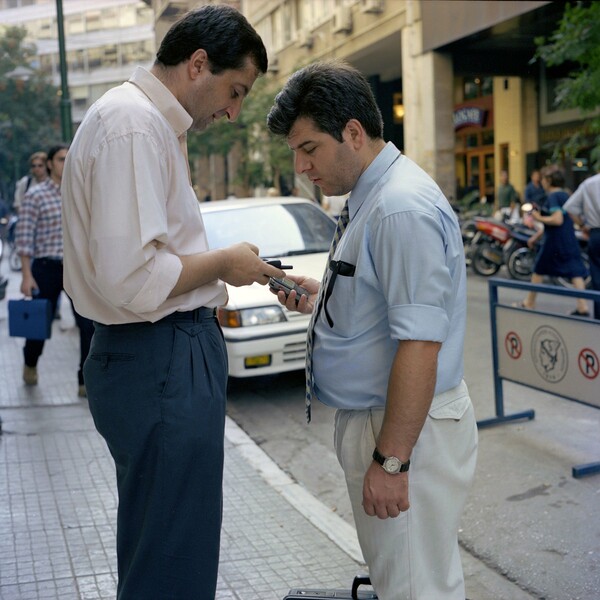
(58, 497)
(58, 500)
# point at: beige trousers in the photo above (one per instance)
(415, 556)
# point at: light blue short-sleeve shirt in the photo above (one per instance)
(409, 283)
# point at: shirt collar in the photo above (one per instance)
(373, 173)
(163, 99)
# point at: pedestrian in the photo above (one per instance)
(584, 208)
(559, 255)
(139, 265)
(38, 239)
(385, 343)
(508, 199)
(37, 174)
(534, 191)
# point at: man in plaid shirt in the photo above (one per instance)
(38, 238)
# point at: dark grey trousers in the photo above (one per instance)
(157, 393)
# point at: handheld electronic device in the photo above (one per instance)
(287, 285)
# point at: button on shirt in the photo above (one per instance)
(585, 202)
(129, 208)
(38, 231)
(409, 283)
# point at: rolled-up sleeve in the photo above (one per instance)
(133, 267)
(409, 255)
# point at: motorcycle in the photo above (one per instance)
(498, 243)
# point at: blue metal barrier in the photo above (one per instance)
(548, 366)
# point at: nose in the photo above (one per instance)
(233, 112)
(301, 163)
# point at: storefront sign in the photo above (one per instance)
(468, 116)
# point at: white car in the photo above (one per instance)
(262, 336)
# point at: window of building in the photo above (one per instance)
(93, 20)
(76, 60)
(110, 18)
(137, 52)
(476, 87)
(74, 24)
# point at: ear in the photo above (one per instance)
(197, 63)
(354, 133)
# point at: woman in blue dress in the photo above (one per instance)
(560, 255)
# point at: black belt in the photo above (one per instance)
(51, 259)
(198, 314)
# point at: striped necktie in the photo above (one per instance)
(310, 379)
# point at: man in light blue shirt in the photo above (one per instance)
(386, 342)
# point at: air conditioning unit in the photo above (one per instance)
(371, 6)
(342, 20)
(305, 39)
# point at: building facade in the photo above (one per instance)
(455, 80)
(104, 41)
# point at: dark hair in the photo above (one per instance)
(220, 30)
(330, 93)
(55, 150)
(554, 175)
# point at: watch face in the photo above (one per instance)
(392, 464)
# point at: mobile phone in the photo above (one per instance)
(287, 285)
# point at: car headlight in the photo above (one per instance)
(247, 317)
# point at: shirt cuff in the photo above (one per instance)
(418, 322)
(163, 277)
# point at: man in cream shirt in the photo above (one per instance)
(137, 262)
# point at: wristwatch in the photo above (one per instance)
(390, 464)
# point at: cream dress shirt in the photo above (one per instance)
(129, 210)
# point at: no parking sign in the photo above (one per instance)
(550, 352)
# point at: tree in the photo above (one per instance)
(29, 108)
(265, 159)
(576, 45)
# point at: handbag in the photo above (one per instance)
(31, 319)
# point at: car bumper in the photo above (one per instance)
(252, 354)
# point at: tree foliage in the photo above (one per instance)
(576, 43)
(264, 158)
(29, 109)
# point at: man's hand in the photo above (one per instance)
(306, 303)
(384, 495)
(242, 266)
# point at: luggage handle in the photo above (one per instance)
(362, 579)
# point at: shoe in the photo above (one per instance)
(522, 305)
(82, 392)
(30, 375)
(576, 313)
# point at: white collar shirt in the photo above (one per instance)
(129, 210)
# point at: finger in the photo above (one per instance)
(369, 508)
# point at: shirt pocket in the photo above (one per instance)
(338, 300)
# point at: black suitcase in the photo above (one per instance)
(321, 594)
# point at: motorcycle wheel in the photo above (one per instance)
(520, 263)
(566, 283)
(481, 265)
(14, 260)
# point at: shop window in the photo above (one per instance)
(487, 137)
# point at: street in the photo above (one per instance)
(527, 519)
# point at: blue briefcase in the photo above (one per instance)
(31, 319)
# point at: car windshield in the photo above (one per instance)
(277, 229)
